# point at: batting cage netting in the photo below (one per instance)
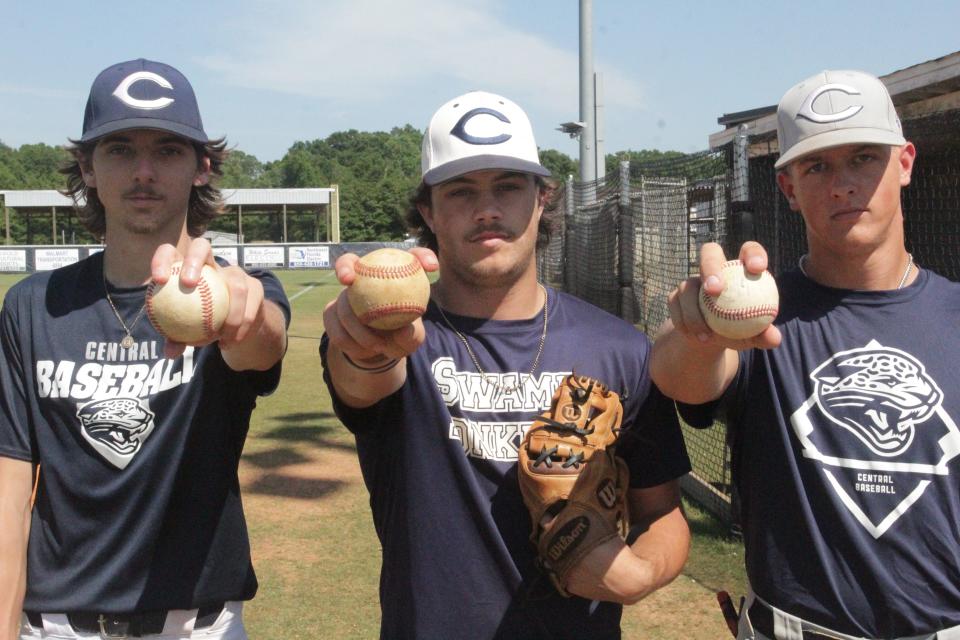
(625, 241)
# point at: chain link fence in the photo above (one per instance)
(625, 241)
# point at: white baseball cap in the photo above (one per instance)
(478, 131)
(835, 108)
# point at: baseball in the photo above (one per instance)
(185, 315)
(391, 289)
(748, 304)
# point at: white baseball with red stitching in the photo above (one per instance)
(748, 304)
(390, 290)
(191, 316)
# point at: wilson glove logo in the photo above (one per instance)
(460, 129)
(607, 494)
(123, 91)
(568, 537)
(116, 427)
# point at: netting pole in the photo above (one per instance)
(641, 251)
(599, 162)
(625, 237)
(741, 207)
(569, 218)
(775, 258)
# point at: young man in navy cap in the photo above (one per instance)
(438, 408)
(137, 529)
(842, 416)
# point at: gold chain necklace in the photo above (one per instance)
(476, 362)
(903, 280)
(127, 340)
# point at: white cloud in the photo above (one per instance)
(376, 50)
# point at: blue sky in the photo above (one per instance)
(268, 74)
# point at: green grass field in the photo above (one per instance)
(314, 547)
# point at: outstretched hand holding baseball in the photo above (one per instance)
(363, 360)
(687, 310)
(356, 334)
(235, 301)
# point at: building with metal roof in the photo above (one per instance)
(325, 200)
(924, 89)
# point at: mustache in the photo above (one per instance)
(141, 190)
(499, 229)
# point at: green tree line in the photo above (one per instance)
(376, 173)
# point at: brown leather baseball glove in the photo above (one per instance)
(570, 479)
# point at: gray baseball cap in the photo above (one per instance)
(835, 108)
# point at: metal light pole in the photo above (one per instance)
(588, 160)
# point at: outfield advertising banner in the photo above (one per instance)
(278, 256)
(227, 253)
(263, 256)
(13, 260)
(312, 257)
(49, 259)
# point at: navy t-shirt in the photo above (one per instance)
(439, 459)
(138, 506)
(845, 444)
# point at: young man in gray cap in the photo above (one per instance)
(842, 416)
(439, 408)
(130, 443)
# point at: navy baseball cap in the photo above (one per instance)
(142, 94)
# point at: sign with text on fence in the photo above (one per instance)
(263, 256)
(13, 260)
(227, 253)
(49, 259)
(309, 258)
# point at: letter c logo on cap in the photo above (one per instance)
(460, 129)
(123, 90)
(806, 109)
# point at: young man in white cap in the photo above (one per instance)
(137, 529)
(842, 416)
(439, 407)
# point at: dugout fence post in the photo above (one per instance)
(333, 231)
(6, 218)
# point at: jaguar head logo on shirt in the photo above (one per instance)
(116, 427)
(879, 395)
(876, 427)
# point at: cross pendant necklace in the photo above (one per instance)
(127, 341)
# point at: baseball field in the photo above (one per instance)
(314, 547)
